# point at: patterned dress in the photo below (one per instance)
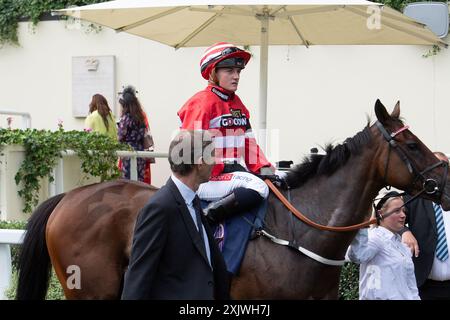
(131, 132)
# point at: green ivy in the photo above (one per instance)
(349, 282)
(54, 291)
(43, 148)
(11, 11)
(12, 224)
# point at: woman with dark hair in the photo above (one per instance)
(133, 126)
(100, 117)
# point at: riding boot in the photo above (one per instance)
(239, 201)
(223, 209)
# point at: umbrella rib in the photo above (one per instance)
(300, 35)
(197, 31)
(228, 11)
(287, 13)
(402, 29)
(305, 42)
(279, 9)
(149, 19)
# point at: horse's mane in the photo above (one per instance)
(335, 157)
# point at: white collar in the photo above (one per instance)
(187, 193)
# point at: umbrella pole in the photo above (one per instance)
(263, 72)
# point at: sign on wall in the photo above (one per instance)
(91, 75)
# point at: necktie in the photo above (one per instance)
(441, 247)
(198, 212)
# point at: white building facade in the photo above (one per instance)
(315, 96)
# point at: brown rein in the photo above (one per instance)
(306, 220)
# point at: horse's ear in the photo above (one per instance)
(396, 112)
(381, 112)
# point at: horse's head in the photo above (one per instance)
(405, 162)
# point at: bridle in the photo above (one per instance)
(429, 185)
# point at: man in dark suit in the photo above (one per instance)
(432, 269)
(171, 257)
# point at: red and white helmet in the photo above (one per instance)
(222, 54)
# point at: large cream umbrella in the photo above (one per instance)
(188, 23)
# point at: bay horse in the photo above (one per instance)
(91, 227)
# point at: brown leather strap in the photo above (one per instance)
(302, 217)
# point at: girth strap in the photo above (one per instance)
(306, 252)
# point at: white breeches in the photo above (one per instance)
(222, 185)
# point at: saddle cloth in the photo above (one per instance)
(234, 234)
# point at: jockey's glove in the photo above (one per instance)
(281, 174)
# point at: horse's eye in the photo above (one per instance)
(412, 145)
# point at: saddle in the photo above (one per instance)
(233, 234)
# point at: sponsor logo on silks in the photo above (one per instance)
(237, 119)
(244, 178)
(222, 177)
(236, 113)
(228, 121)
(220, 94)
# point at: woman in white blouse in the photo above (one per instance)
(386, 268)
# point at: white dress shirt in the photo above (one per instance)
(440, 271)
(188, 195)
(386, 268)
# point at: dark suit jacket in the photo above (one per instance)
(421, 221)
(167, 261)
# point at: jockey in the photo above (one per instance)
(233, 187)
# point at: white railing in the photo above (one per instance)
(26, 117)
(133, 155)
(7, 238)
(56, 186)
